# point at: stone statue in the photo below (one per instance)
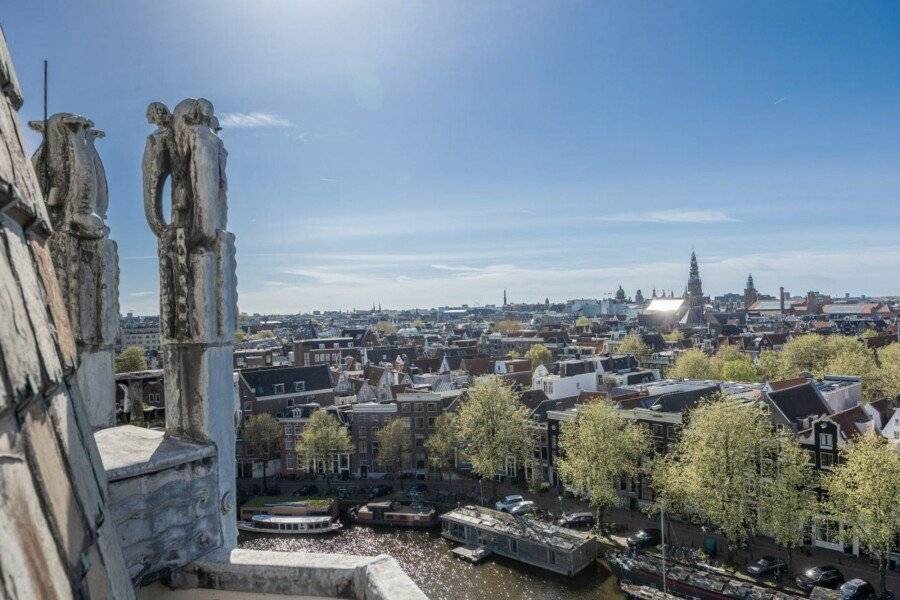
(73, 181)
(198, 290)
(196, 252)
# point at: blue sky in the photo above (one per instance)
(423, 154)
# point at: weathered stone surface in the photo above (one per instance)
(98, 388)
(287, 573)
(73, 180)
(55, 542)
(164, 496)
(198, 288)
(128, 451)
(197, 294)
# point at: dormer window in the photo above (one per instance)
(299, 386)
(826, 440)
(278, 388)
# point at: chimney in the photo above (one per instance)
(781, 299)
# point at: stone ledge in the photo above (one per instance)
(128, 451)
(307, 574)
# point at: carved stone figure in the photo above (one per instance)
(196, 253)
(73, 180)
(198, 293)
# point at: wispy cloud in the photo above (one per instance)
(780, 100)
(671, 216)
(142, 294)
(253, 119)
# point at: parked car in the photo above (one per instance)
(825, 576)
(377, 491)
(306, 490)
(523, 508)
(645, 538)
(577, 519)
(767, 566)
(505, 504)
(857, 589)
(416, 490)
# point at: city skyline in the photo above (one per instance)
(425, 156)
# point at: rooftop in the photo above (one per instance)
(519, 527)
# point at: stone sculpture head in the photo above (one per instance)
(71, 174)
(158, 114)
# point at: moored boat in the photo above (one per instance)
(688, 581)
(290, 525)
(395, 514)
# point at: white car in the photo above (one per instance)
(506, 504)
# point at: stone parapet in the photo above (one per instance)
(285, 573)
(164, 498)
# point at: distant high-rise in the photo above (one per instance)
(694, 285)
(504, 297)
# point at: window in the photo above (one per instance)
(431, 421)
(321, 346)
(419, 407)
(278, 388)
(432, 406)
(405, 407)
(826, 459)
(826, 440)
(299, 386)
(420, 422)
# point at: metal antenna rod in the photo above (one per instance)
(46, 136)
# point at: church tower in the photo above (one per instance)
(694, 285)
(750, 293)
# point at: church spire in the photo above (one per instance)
(694, 285)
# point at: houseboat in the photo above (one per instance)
(290, 525)
(689, 581)
(521, 538)
(285, 507)
(395, 514)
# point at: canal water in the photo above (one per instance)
(426, 557)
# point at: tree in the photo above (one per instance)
(582, 322)
(131, 359)
(863, 491)
(507, 326)
(323, 440)
(493, 427)
(806, 353)
(513, 355)
(239, 336)
(441, 444)
(597, 449)
(263, 334)
(263, 436)
(768, 366)
(385, 327)
(693, 364)
(787, 499)
(676, 335)
(394, 445)
(713, 470)
(633, 344)
(886, 379)
(739, 370)
(539, 355)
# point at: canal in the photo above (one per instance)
(426, 556)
